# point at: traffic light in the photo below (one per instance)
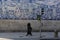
(39, 16)
(42, 11)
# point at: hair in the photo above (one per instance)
(28, 24)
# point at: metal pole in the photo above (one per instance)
(40, 28)
(41, 24)
(42, 12)
(39, 18)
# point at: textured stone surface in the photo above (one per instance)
(51, 25)
(18, 25)
(21, 25)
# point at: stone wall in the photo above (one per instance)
(18, 25)
(21, 25)
(51, 24)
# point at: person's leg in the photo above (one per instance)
(27, 33)
(31, 34)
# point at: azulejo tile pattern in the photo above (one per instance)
(29, 9)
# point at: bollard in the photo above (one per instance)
(56, 33)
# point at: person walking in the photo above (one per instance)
(29, 29)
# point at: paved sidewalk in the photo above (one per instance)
(19, 36)
(22, 36)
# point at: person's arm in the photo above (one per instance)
(31, 28)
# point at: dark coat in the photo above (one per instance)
(29, 28)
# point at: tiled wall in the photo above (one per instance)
(29, 9)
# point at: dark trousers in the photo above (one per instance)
(29, 33)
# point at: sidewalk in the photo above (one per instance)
(19, 36)
(22, 36)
